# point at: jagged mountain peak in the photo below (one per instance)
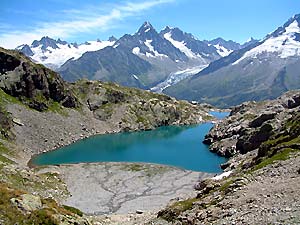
(284, 42)
(146, 28)
(25, 49)
(53, 53)
(176, 33)
(112, 38)
(228, 44)
(250, 39)
(45, 42)
(147, 24)
(59, 41)
(167, 29)
(249, 42)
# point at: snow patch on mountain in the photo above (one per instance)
(174, 78)
(136, 51)
(58, 56)
(285, 45)
(180, 45)
(151, 48)
(222, 51)
(135, 77)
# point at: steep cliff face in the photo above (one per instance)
(33, 84)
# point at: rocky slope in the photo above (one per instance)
(261, 181)
(40, 112)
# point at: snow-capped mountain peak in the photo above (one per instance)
(54, 53)
(290, 26)
(45, 42)
(293, 27)
(283, 42)
(145, 28)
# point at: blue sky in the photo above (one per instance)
(23, 21)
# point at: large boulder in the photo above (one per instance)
(27, 203)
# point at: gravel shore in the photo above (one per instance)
(122, 188)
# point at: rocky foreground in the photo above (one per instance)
(261, 182)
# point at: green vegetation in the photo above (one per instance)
(184, 205)
(284, 154)
(224, 187)
(73, 210)
(249, 116)
(4, 160)
(148, 170)
(173, 211)
(10, 214)
(280, 146)
(58, 108)
(7, 99)
(134, 167)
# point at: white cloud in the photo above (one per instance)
(81, 22)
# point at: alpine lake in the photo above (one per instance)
(179, 146)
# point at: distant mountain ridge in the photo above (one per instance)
(54, 53)
(261, 70)
(143, 59)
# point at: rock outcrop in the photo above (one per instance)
(251, 123)
(33, 84)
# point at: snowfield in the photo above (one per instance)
(54, 58)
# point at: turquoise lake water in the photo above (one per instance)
(179, 146)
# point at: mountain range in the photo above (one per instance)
(261, 70)
(146, 59)
(219, 72)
